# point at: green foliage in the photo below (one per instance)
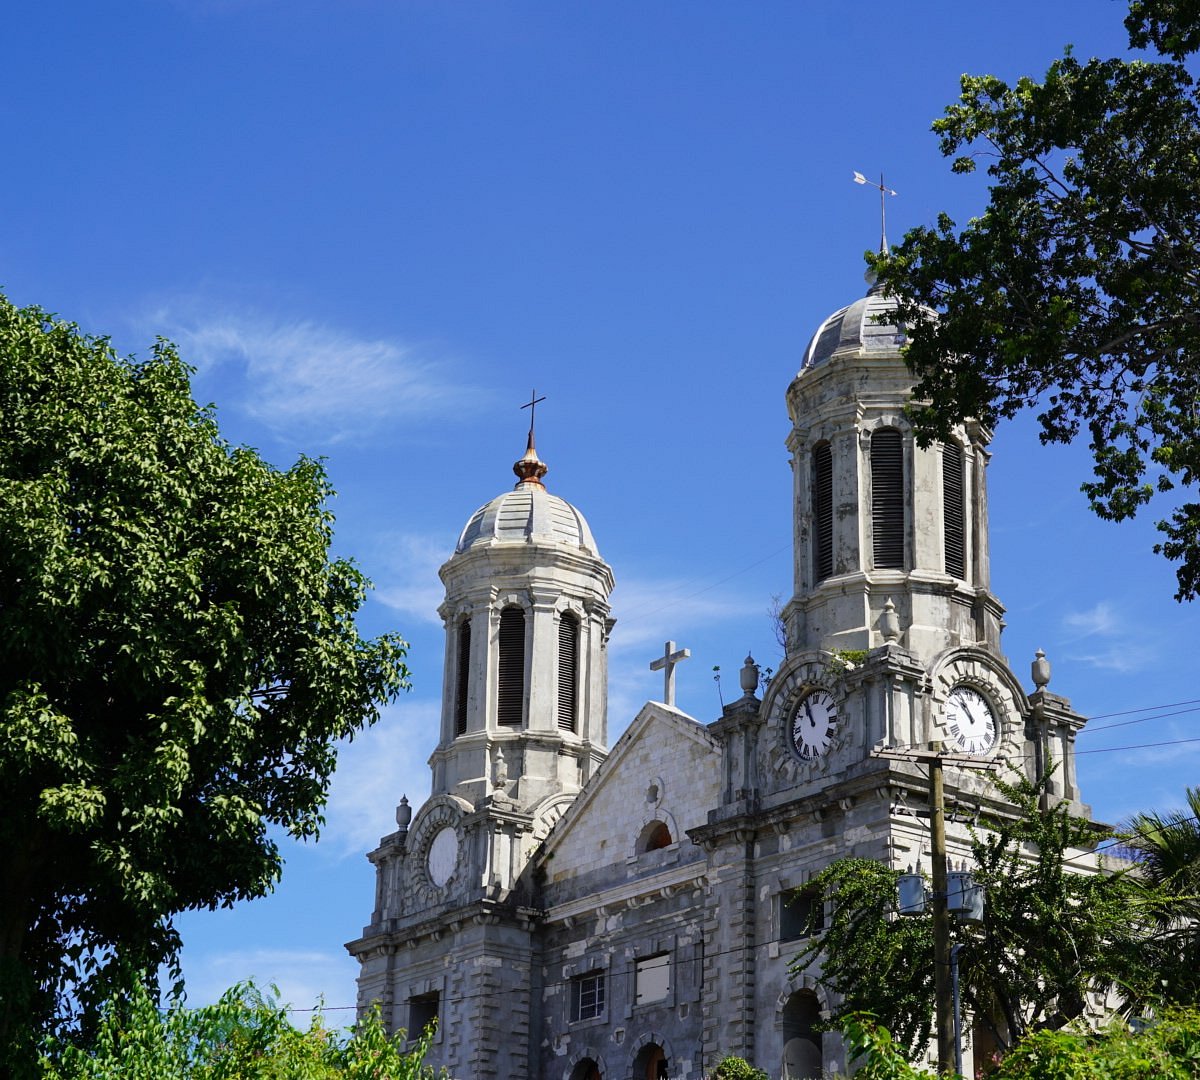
(1049, 933)
(879, 1057)
(1168, 1049)
(1167, 847)
(178, 657)
(736, 1068)
(1077, 290)
(873, 960)
(245, 1036)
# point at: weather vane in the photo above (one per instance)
(884, 192)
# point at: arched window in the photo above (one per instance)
(655, 835)
(954, 509)
(510, 670)
(462, 680)
(568, 670)
(801, 1039)
(822, 512)
(887, 499)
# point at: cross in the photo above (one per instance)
(883, 192)
(666, 663)
(532, 405)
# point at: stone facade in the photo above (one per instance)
(570, 913)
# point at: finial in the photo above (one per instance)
(530, 469)
(1040, 669)
(889, 622)
(403, 814)
(749, 676)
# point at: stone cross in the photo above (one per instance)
(666, 663)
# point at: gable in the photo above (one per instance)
(663, 772)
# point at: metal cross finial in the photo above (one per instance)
(532, 405)
(666, 663)
(883, 193)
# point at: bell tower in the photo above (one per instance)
(523, 726)
(886, 531)
(524, 690)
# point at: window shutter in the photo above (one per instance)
(822, 508)
(953, 508)
(568, 670)
(510, 694)
(887, 499)
(462, 677)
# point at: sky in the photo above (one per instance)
(374, 226)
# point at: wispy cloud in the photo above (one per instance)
(1099, 619)
(406, 571)
(373, 771)
(1102, 637)
(303, 377)
(304, 977)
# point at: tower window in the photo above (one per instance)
(510, 689)
(954, 509)
(652, 978)
(422, 1011)
(801, 913)
(462, 679)
(587, 996)
(568, 670)
(887, 499)
(822, 508)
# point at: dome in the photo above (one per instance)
(866, 326)
(528, 513)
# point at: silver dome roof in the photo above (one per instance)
(866, 326)
(527, 513)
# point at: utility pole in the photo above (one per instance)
(943, 1003)
(935, 757)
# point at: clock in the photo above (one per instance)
(971, 721)
(814, 723)
(443, 856)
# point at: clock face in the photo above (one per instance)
(814, 723)
(443, 856)
(970, 721)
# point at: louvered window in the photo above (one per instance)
(568, 670)
(822, 499)
(462, 680)
(953, 506)
(510, 692)
(887, 499)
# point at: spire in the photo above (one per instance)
(530, 469)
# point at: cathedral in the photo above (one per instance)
(567, 910)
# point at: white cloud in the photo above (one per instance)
(381, 764)
(406, 572)
(648, 610)
(1098, 620)
(305, 977)
(1102, 637)
(304, 378)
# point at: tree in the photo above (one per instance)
(1167, 849)
(178, 657)
(244, 1036)
(1077, 290)
(1168, 1049)
(1054, 928)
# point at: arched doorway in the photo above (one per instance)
(586, 1069)
(801, 1041)
(651, 1063)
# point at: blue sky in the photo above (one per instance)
(374, 225)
